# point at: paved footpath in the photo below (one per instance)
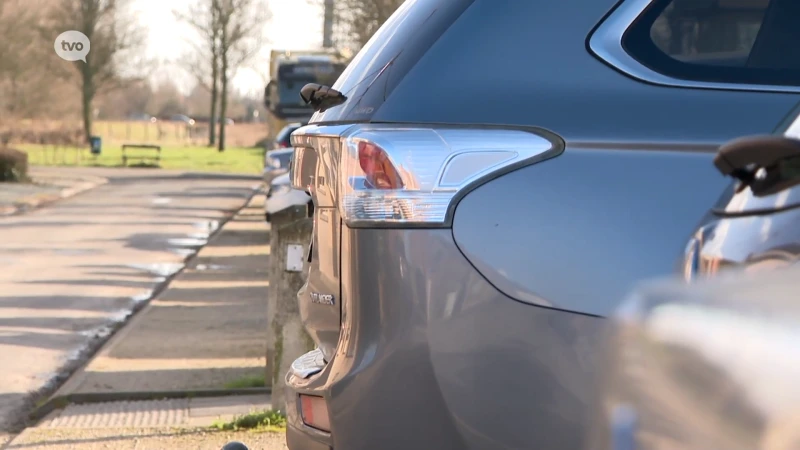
(72, 272)
(205, 331)
(48, 185)
(182, 424)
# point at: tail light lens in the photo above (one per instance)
(411, 176)
(314, 412)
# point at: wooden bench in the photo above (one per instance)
(140, 157)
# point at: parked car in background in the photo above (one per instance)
(759, 225)
(282, 139)
(276, 163)
(472, 231)
(280, 195)
(182, 118)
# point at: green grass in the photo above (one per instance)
(259, 421)
(252, 381)
(203, 159)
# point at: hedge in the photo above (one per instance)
(13, 165)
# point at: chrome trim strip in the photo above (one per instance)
(606, 44)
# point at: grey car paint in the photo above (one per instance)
(484, 335)
(437, 349)
(710, 365)
(728, 344)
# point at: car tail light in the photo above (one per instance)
(314, 411)
(413, 176)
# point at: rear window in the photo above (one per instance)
(728, 41)
(394, 49)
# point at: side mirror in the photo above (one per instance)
(765, 164)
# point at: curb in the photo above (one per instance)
(61, 401)
(37, 201)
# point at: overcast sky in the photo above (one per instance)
(293, 26)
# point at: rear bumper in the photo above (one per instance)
(432, 356)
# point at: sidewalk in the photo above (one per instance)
(206, 331)
(155, 425)
(48, 186)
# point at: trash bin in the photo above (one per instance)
(96, 144)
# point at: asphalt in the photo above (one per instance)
(205, 331)
(142, 439)
(72, 272)
(46, 186)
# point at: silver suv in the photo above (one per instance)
(497, 175)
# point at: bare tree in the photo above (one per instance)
(24, 87)
(355, 21)
(203, 60)
(113, 35)
(242, 25)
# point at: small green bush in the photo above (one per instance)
(13, 165)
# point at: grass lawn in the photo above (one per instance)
(232, 160)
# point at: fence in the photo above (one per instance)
(63, 143)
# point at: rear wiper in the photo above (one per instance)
(321, 97)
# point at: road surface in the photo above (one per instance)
(73, 271)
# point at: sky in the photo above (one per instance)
(168, 39)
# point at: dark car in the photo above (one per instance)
(494, 178)
(283, 138)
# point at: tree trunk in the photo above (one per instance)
(223, 107)
(212, 125)
(87, 96)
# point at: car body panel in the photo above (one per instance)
(485, 335)
(708, 365)
(443, 353)
(544, 234)
(316, 154)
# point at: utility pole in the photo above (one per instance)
(327, 28)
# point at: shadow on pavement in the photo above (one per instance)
(206, 329)
(73, 271)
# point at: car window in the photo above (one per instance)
(728, 41)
